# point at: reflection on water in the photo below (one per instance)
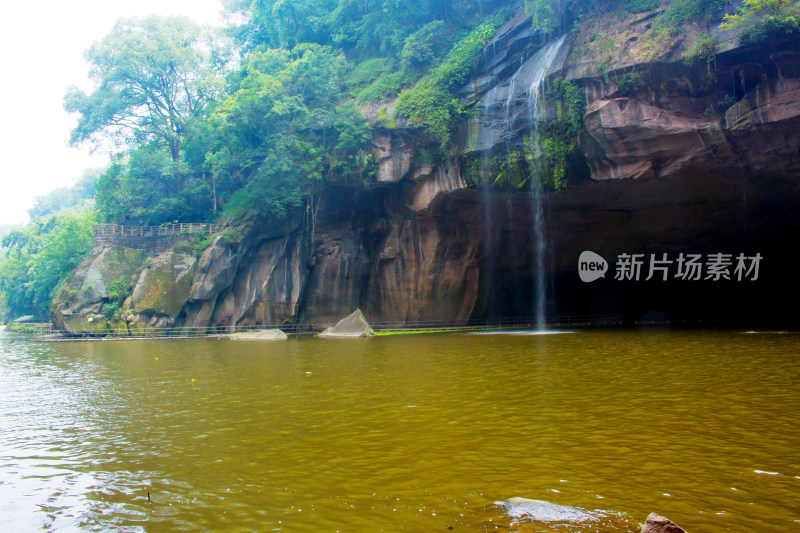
(413, 433)
(522, 332)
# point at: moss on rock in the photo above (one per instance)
(79, 299)
(163, 287)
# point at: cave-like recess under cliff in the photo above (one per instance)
(693, 160)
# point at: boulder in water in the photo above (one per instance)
(542, 511)
(524, 514)
(659, 524)
(263, 335)
(354, 325)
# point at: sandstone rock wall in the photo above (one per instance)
(686, 161)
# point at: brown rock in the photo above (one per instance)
(640, 140)
(396, 155)
(659, 524)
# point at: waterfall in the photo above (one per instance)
(508, 109)
(541, 272)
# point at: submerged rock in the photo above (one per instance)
(263, 335)
(354, 325)
(537, 516)
(542, 511)
(659, 524)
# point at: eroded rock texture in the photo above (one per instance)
(687, 160)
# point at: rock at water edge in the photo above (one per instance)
(354, 325)
(264, 335)
(659, 524)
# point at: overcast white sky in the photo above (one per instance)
(41, 54)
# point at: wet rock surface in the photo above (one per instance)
(659, 524)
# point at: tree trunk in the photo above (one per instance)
(214, 190)
(174, 149)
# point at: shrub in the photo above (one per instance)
(386, 86)
(367, 71)
(705, 50)
(775, 17)
(430, 104)
(111, 310)
(779, 25)
(118, 290)
(232, 236)
(629, 83)
(561, 135)
(201, 245)
(674, 17)
(424, 45)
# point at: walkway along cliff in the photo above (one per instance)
(678, 156)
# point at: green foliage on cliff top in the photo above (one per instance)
(430, 104)
(551, 15)
(671, 22)
(285, 127)
(198, 141)
(764, 18)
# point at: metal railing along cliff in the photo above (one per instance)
(183, 332)
(164, 230)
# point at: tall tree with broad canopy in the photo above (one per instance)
(154, 76)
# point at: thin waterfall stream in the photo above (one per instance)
(536, 95)
(521, 98)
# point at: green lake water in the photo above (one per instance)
(401, 433)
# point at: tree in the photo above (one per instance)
(769, 16)
(154, 77)
(65, 197)
(40, 256)
(144, 186)
(280, 23)
(284, 129)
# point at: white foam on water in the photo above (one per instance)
(767, 473)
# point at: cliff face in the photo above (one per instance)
(691, 157)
